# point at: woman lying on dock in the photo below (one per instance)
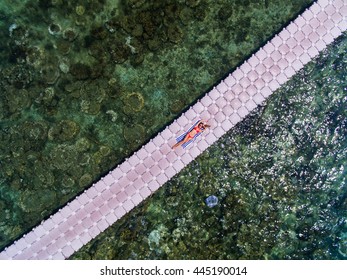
(188, 137)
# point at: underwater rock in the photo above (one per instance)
(84, 159)
(134, 134)
(134, 102)
(72, 87)
(63, 157)
(93, 91)
(135, 3)
(50, 73)
(54, 29)
(211, 201)
(114, 90)
(18, 34)
(200, 13)
(85, 180)
(46, 97)
(35, 56)
(80, 71)
(81, 21)
(83, 144)
(99, 33)
(149, 23)
(65, 130)
(119, 52)
(97, 157)
(192, 3)
(90, 107)
(111, 25)
(225, 13)
(101, 154)
(113, 115)
(137, 30)
(185, 15)
(105, 150)
(171, 13)
(63, 46)
(64, 66)
(92, 94)
(17, 54)
(20, 76)
(69, 34)
(97, 70)
(17, 184)
(80, 10)
(112, 82)
(136, 59)
(67, 182)
(30, 202)
(43, 178)
(175, 34)
(34, 135)
(127, 23)
(17, 100)
(153, 44)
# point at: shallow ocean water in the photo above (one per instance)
(83, 84)
(279, 176)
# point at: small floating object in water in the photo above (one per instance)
(211, 201)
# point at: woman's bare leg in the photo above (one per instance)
(177, 144)
(184, 140)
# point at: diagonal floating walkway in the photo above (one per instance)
(155, 163)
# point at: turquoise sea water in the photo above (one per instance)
(83, 84)
(279, 176)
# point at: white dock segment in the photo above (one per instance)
(223, 107)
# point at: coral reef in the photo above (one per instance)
(69, 34)
(80, 10)
(17, 100)
(91, 96)
(133, 103)
(63, 157)
(34, 135)
(20, 76)
(85, 180)
(81, 71)
(65, 130)
(50, 73)
(82, 144)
